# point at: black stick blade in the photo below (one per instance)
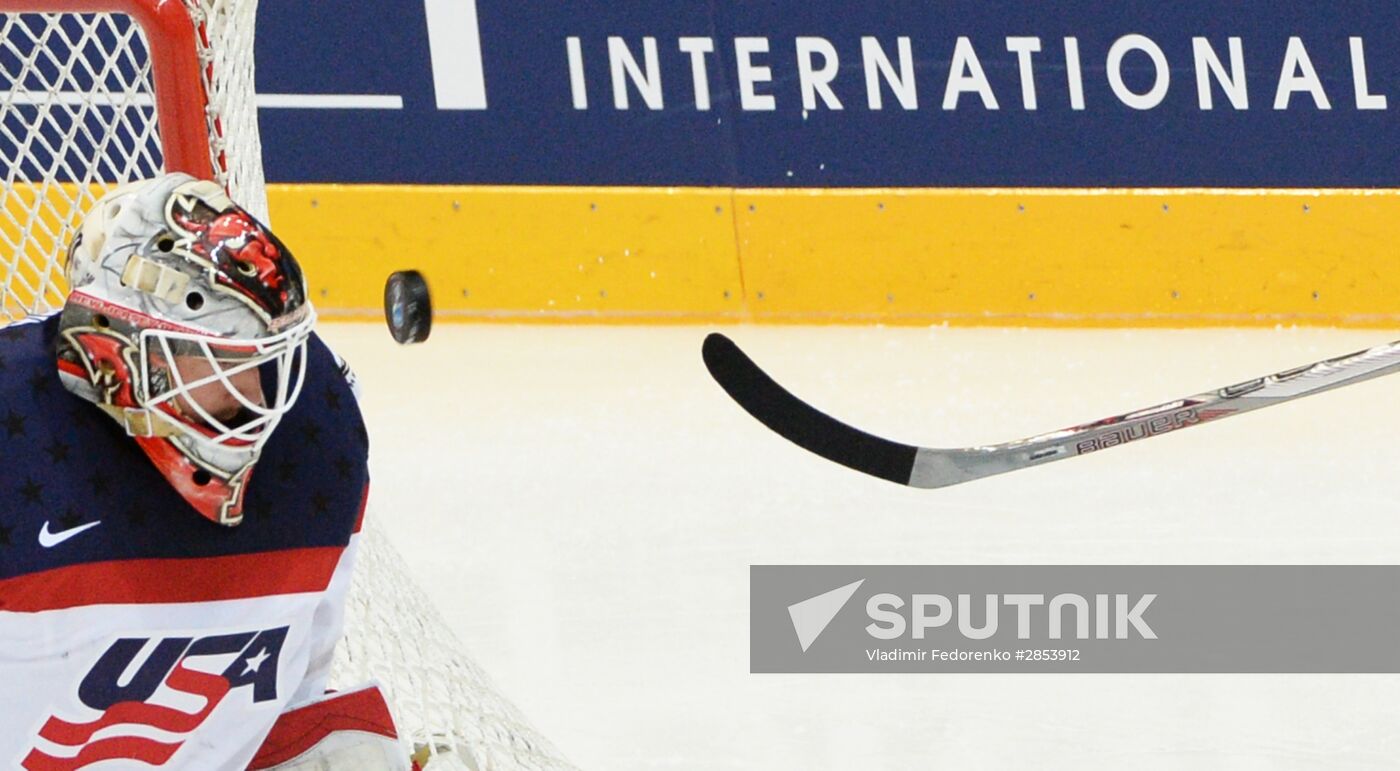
(799, 422)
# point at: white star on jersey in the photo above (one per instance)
(255, 662)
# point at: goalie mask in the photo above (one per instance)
(187, 323)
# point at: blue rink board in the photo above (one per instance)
(531, 133)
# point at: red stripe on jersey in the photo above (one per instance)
(211, 688)
(155, 581)
(148, 751)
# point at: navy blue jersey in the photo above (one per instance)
(121, 605)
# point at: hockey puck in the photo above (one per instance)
(408, 308)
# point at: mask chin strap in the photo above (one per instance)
(219, 497)
(142, 422)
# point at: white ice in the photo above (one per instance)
(584, 504)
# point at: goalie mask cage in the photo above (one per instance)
(97, 93)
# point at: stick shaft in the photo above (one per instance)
(927, 467)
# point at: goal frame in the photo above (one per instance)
(176, 74)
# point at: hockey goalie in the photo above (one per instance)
(184, 475)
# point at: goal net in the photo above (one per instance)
(97, 93)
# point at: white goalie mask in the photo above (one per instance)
(187, 323)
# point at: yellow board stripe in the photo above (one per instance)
(901, 256)
(518, 253)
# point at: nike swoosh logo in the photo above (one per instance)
(49, 539)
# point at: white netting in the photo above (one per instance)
(226, 51)
(78, 116)
(76, 110)
(460, 719)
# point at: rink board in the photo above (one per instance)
(1044, 257)
(826, 94)
(901, 162)
(723, 161)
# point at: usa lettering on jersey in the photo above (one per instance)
(119, 695)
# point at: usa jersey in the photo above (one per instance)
(135, 633)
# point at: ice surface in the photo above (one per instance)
(584, 502)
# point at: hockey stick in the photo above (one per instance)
(905, 464)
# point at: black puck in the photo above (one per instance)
(408, 307)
